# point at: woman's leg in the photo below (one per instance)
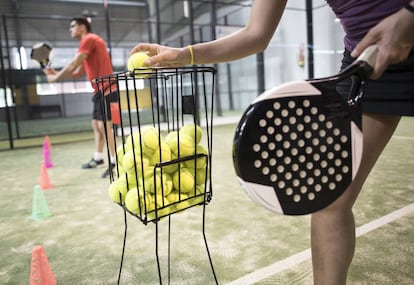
(333, 228)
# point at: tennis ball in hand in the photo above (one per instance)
(136, 61)
(192, 130)
(183, 180)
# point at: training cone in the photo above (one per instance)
(47, 160)
(40, 210)
(40, 271)
(47, 140)
(44, 180)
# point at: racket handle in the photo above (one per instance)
(369, 55)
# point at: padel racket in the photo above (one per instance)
(41, 52)
(298, 146)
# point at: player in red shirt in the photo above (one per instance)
(93, 60)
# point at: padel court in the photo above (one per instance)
(61, 224)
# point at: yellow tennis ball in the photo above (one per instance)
(136, 64)
(150, 139)
(193, 130)
(186, 145)
(133, 160)
(178, 201)
(200, 175)
(172, 140)
(134, 140)
(159, 183)
(134, 205)
(173, 166)
(183, 180)
(128, 179)
(199, 197)
(114, 192)
(181, 145)
(120, 156)
(163, 153)
(161, 209)
(200, 162)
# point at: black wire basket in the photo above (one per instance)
(162, 127)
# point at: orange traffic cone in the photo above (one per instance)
(40, 271)
(44, 180)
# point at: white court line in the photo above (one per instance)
(305, 255)
(403, 137)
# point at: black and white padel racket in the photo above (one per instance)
(42, 53)
(298, 146)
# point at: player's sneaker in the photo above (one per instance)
(92, 163)
(109, 170)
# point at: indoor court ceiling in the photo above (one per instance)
(47, 20)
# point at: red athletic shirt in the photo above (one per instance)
(98, 62)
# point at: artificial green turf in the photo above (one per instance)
(83, 236)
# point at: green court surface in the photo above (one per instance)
(83, 237)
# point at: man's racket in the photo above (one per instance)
(298, 146)
(41, 52)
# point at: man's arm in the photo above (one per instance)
(73, 70)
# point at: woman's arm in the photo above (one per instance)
(253, 38)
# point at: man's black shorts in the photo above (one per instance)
(99, 109)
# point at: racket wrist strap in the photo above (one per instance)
(410, 6)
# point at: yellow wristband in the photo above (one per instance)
(190, 48)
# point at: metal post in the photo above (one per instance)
(108, 28)
(309, 32)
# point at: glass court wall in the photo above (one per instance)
(31, 108)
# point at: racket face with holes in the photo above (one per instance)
(41, 53)
(297, 147)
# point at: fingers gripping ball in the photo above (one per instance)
(192, 130)
(136, 61)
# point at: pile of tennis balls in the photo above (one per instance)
(173, 186)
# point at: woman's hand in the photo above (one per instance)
(164, 56)
(394, 37)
